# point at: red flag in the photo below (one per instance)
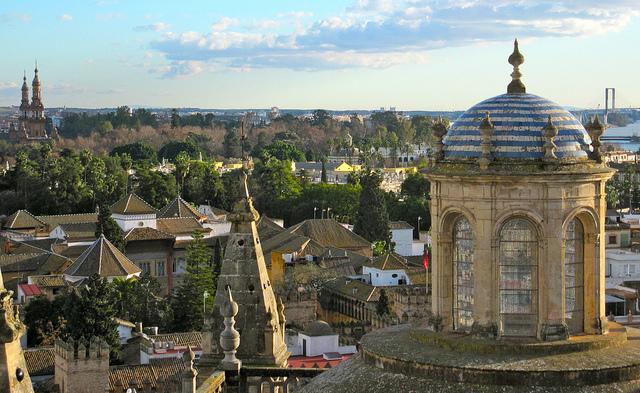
(425, 258)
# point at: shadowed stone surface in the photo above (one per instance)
(398, 359)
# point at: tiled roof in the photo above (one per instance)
(267, 228)
(55, 220)
(22, 219)
(180, 208)
(328, 232)
(30, 289)
(40, 361)
(79, 231)
(399, 225)
(354, 289)
(146, 233)
(180, 226)
(155, 374)
(48, 281)
(36, 263)
(102, 258)
(389, 261)
(132, 204)
(518, 121)
(193, 339)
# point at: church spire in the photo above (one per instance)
(516, 59)
(36, 99)
(24, 103)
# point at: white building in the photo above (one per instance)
(402, 236)
(386, 271)
(317, 340)
(622, 265)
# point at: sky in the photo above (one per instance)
(332, 54)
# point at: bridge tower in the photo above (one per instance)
(609, 98)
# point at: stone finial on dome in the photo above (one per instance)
(516, 59)
(550, 132)
(439, 131)
(595, 130)
(486, 129)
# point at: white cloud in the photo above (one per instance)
(383, 33)
(65, 18)
(182, 69)
(6, 87)
(158, 26)
(15, 17)
(224, 23)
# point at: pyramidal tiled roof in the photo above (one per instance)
(102, 258)
(132, 204)
(23, 219)
(389, 261)
(180, 208)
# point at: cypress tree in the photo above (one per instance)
(108, 227)
(372, 219)
(323, 175)
(382, 307)
(189, 297)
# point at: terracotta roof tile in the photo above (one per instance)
(180, 208)
(22, 219)
(328, 233)
(180, 225)
(155, 374)
(40, 361)
(132, 204)
(55, 220)
(193, 339)
(146, 233)
(102, 258)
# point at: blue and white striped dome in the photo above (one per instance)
(518, 120)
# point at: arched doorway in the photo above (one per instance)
(518, 260)
(463, 253)
(574, 276)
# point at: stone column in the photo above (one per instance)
(551, 272)
(485, 324)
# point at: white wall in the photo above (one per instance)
(403, 238)
(317, 345)
(219, 228)
(128, 222)
(385, 278)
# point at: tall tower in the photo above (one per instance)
(37, 108)
(24, 104)
(14, 376)
(260, 318)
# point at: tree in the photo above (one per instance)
(382, 307)
(231, 144)
(283, 151)
(89, 313)
(172, 149)
(105, 127)
(45, 320)
(372, 219)
(323, 174)
(319, 117)
(218, 256)
(175, 118)
(108, 227)
(139, 300)
(276, 186)
(199, 278)
(156, 188)
(415, 185)
(138, 151)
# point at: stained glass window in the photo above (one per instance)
(574, 277)
(463, 251)
(518, 278)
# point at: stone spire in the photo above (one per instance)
(550, 132)
(595, 130)
(14, 376)
(24, 103)
(244, 273)
(516, 59)
(36, 95)
(486, 129)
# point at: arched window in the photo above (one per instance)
(518, 278)
(463, 251)
(574, 276)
